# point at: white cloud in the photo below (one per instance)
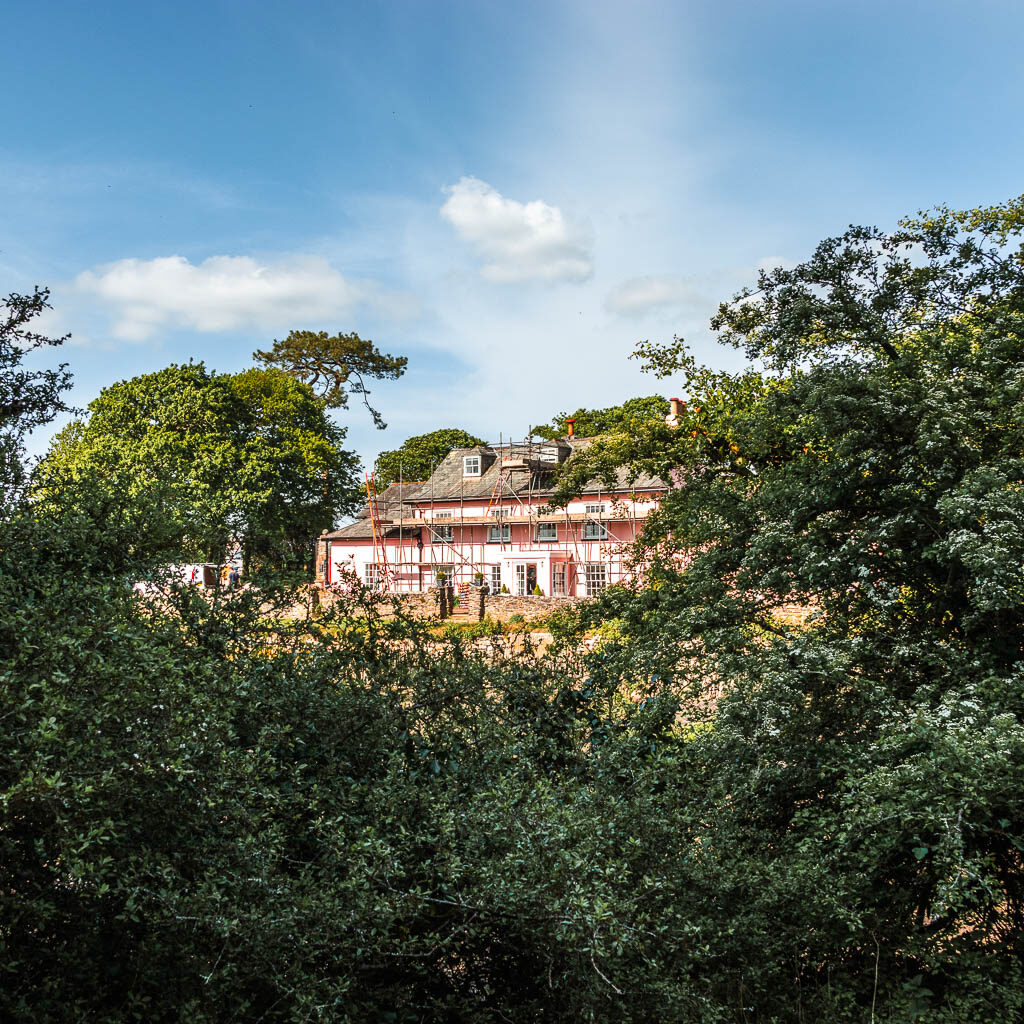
(641, 295)
(227, 293)
(684, 295)
(518, 241)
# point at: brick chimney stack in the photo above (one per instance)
(676, 411)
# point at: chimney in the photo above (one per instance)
(571, 427)
(676, 409)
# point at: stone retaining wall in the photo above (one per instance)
(500, 607)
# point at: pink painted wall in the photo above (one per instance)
(559, 564)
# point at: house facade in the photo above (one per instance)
(483, 513)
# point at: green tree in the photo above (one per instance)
(201, 459)
(871, 473)
(417, 456)
(721, 814)
(334, 366)
(28, 398)
(590, 422)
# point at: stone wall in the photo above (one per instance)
(500, 607)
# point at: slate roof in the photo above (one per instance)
(537, 478)
(447, 483)
(391, 503)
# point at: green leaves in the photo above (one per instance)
(869, 754)
(591, 422)
(333, 366)
(193, 458)
(28, 398)
(418, 456)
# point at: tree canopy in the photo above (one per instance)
(28, 398)
(777, 779)
(590, 422)
(870, 474)
(334, 366)
(212, 457)
(417, 456)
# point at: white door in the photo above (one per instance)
(521, 580)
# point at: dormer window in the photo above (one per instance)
(471, 465)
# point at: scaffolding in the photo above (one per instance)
(385, 577)
(523, 473)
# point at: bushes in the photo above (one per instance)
(208, 813)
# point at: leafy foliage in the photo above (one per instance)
(28, 398)
(250, 456)
(417, 456)
(711, 812)
(872, 756)
(334, 366)
(590, 422)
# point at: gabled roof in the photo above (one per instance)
(531, 470)
(392, 504)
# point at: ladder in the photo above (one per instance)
(386, 573)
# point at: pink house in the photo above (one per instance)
(483, 511)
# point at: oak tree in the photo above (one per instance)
(590, 422)
(250, 457)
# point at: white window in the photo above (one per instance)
(447, 570)
(558, 579)
(547, 531)
(499, 534)
(471, 465)
(441, 533)
(495, 580)
(593, 530)
(596, 575)
(499, 513)
(373, 577)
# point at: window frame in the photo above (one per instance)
(593, 530)
(505, 536)
(553, 527)
(590, 572)
(477, 460)
(441, 532)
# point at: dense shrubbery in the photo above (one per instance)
(209, 814)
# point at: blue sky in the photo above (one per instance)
(510, 194)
